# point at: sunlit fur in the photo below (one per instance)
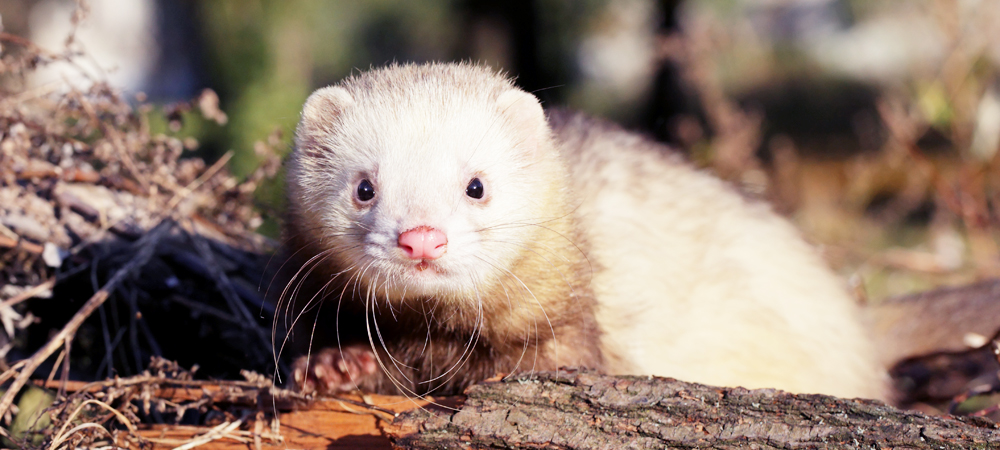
(699, 284)
(591, 247)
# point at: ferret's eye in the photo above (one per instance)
(475, 188)
(366, 191)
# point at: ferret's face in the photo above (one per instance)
(424, 195)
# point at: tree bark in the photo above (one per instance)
(583, 410)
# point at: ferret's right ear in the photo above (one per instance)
(319, 115)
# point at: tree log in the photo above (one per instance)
(584, 410)
(940, 320)
(938, 344)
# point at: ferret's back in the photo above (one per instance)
(698, 283)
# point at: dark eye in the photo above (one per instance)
(475, 189)
(365, 191)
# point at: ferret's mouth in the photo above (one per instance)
(426, 267)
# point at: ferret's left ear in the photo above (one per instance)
(524, 112)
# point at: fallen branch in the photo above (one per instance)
(581, 410)
(939, 320)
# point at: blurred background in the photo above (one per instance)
(873, 125)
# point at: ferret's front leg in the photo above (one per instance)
(335, 370)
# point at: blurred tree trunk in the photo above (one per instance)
(672, 104)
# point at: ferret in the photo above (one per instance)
(443, 229)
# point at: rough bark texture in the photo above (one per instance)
(580, 410)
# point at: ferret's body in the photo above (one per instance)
(586, 246)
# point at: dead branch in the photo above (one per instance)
(940, 320)
(581, 410)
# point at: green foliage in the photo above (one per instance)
(30, 419)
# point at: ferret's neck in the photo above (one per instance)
(544, 291)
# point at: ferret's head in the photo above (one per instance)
(429, 180)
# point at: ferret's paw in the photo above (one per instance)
(332, 371)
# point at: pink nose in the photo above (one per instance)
(423, 243)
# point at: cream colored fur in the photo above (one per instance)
(691, 280)
(696, 283)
